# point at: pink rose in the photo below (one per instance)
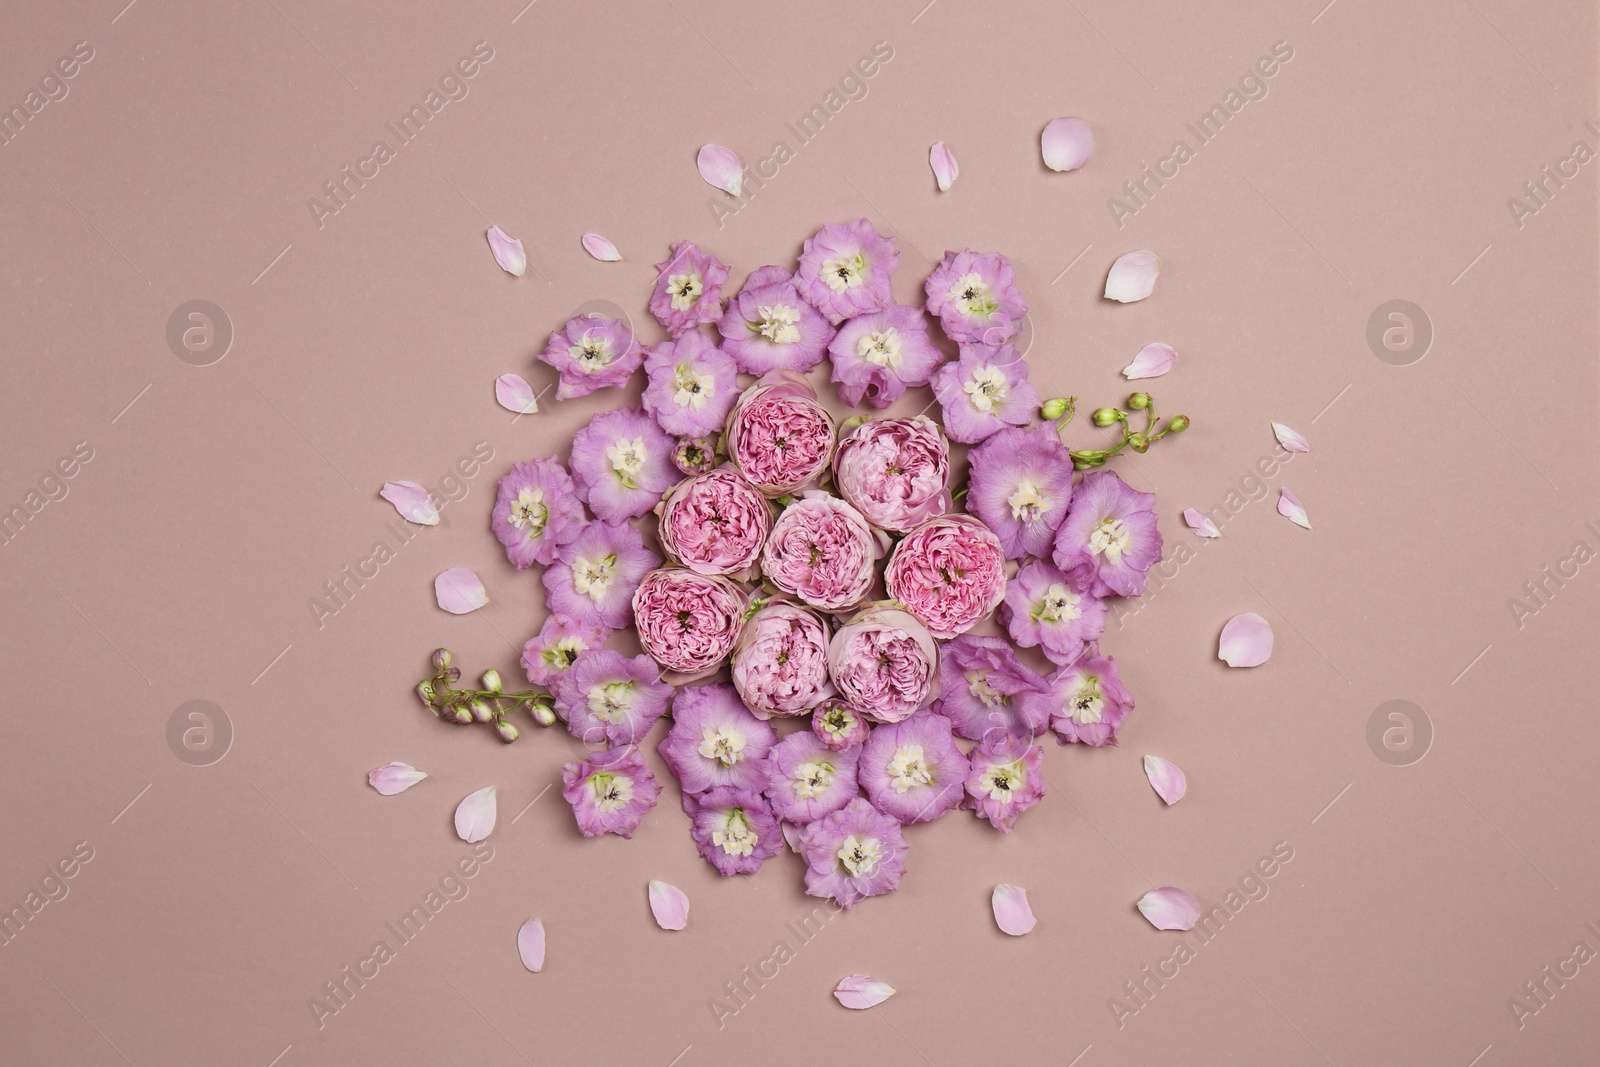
(822, 551)
(778, 436)
(895, 471)
(688, 622)
(715, 523)
(949, 572)
(780, 665)
(885, 664)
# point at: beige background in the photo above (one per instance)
(178, 566)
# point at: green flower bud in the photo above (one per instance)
(1139, 442)
(480, 711)
(1105, 416)
(460, 714)
(441, 659)
(1178, 423)
(508, 731)
(1139, 401)
(452, 674)
(543, 714)
(491, 680)
(1054, 408)
(425, 691)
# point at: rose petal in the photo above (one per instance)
(669, 905)
(1289, 507)
(1133, 276)
(1067, 144)
(412, 501)
(530, 945)
(862, 991)
(507, 252)
(1153, 361)
(720, 166)
(1200, 523)
(1011, 911)
(1246, 641)
(459, 591)
(475, 815)
(944, 165)
(394, 778)
(600, 248)
(1170, 908)
(1166, 778)
(1291, 440)
(515, 394)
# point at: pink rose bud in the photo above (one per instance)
(885, 664)
(780, 665)
(778, 435)
(896, 472)
(949, 572)
(715, 523)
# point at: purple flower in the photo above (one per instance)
(877, 355)
(983, 392)
(975, 296)
(688, 288)
(1020, 483)
(913, 769)
(838, 725)
(715, 741)
(1006, 779)
(1109, 539)
(610, 791)
(592, 353)
(856, 852)
(769, 326)
(622, 462)
(695, 455)
(608, 698)
(593, 578)
(845, 269)
(988, 693)
(560, 641)
(693, 383)
(536, 511)
(1092, 699)
(807, 780)
(1046, 608)
(733, 828)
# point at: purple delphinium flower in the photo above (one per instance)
(983, 392)
(807, 780)
(688, 288)
(1020, 483)
(715, 740)
(987, 693)
(1046, 608)
(536, 511)
(591, 353)
(593, 578)
(975, 296)
(1092, 699)
(607, 698)
(769, 326)
(1109, 538)
(560, 641)
(838, 725)
(622, 463)
(913, 769)
(855, 853)
(693, 383)
(878, 355)
(610, 791)
(845, 269)
(733, 828)
(1007, 778)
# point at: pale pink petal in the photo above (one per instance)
(669, 905)
(944, 165)
(1153, 361)
(394, 778)
(1291, 440)
(459, 591)
(720, 166)
(515, 394)
(1246, 641)
(1166, 778)
(793, 836)
(1133, 276)
(1289, 507)
(1067, 144)
(1011, 911)
(476, 814)
(600, 248)
(1170, 908)
(862, 991)
(530, 945)
(1200, 523)
(507, 252)
(412, 501)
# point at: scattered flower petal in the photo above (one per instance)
(1133, 276)
(669, 905)
(1153, 360)
(1067, 144)
(530, 945)
(515, 394)
(1011, 911)
(459, 591)
(412, 501)
(1289, 507)
(1291, 440)
(1200, 523)
(720, 166)
(862, 991)
(1166, 778)
(475, 816)
(1246, 641)
(1170, 908)
(944, 165)
(394, 778)
(600, 248)
(507, 252)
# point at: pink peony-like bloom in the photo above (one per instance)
(855, 853)
(688, 622)
(1044, 607)
(536, 511)
(1019, 484)
(884, 663)
(975, 297)
(949, 572)
(878, 355)
(769, 326)
(838, 725)
(591, 353)
(715, 741)
(1006, 779)
(695, 455)
(688, 288)
(1110, 537)
(896, 472)
(778, 436)
(607, 698)
(823, 551)
(733, 828)
(913, 769)
(983, 392)
(610, 791)
(692, 384)
(1092, 699)
(593, 578)
(988, 693)
(622, 463)
(715, 523)
(845, 270)
(807, 780)
(780, 665)
(560, 641)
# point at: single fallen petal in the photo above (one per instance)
(1246, 641)
(1200, 523)
(669, 905)
(1289, 507)
(600, 248)
(720, 166)
(1067, 144)
(394, 778)
(515, 394)
(1133, 276)
(1170, 908)
(1153, 361)
(459, 591)
(1291, 440)
(412, 501)
(530, 945)
(475, 815)
(862, 991)
(1166, 778)
(944, 165)
(508, 252)
(1011, 911)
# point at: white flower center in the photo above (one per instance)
(685, 289)
(690, 388)
(881, 347)
(779, 323)
(560, 654)
(609, 702)
(812, 779)
(1087, 705)
(972, 296)
(591, 354)
(530, 512)
(860, 855)
(1060, 604)
(610, 791)
(592, 577)
(1001, 783)
(837, 721)
(1110, 539)
(978, 685)
(987, 389)
(628, 459)
(735, 838)
(724, 744)
(1026, 503)
(908, 768)
(845, 272)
